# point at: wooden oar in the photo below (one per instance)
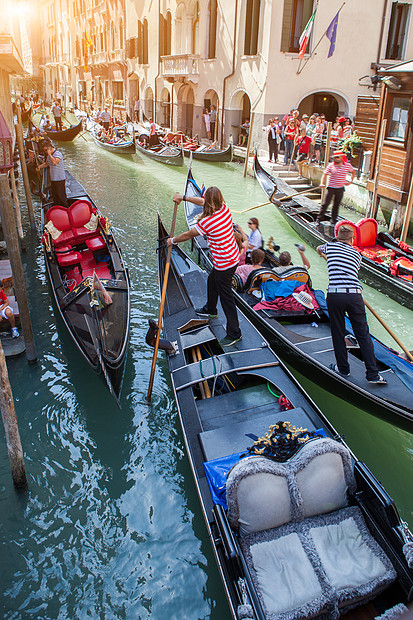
(161, 306)
(387, 328)
(272, 199)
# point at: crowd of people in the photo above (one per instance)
(304, 139)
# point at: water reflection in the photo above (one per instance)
(111, 526)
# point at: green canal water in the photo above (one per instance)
(111, 526)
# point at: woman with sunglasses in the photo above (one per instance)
(254, 238)
(336, 171)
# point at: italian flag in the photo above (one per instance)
(306, 35)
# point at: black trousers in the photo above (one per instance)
(58, 123)
(220, 285)
(352, 303)
(59, 193)
(273, 149)
(332, 192)
(212, 130)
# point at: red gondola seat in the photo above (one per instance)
(348, 224)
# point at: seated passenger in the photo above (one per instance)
(257, 258)
(6, 313)
(255, 237)
(286, 263)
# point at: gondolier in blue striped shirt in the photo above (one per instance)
(344, 295)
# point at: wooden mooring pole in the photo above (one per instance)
(16, 204)
(13, 250)
(247, 157)
(19, 136)
(11, 427)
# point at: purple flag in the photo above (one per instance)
(331, 34)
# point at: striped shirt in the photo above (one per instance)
(338, 174)
(219, 230)
(343, 264)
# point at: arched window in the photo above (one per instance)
(112, 36)
(252, 22)
(195, 31)
(145, 42)
(121, 38)
(168, 34)
(161, 35)
(212, 28)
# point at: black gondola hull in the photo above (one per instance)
(65, 135)
(374, 274)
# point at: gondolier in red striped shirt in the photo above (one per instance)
(216, 223)
(337, 171)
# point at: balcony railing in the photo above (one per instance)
(181, 65)
(101, 58)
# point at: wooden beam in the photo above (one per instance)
(407, 213)
(249, 144)
(372, 208)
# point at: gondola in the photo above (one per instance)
(382, 258)
(84, 265)
(212, 155)
(303, 337)
(299, 527)
(125, 147)
(170, 155)
(65, 135)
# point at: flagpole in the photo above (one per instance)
(299, 70)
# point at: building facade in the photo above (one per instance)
(184, 55)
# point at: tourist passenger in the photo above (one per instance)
(255, 236)
(286, 262)
(337, 172)
(303, 143)
(216, 223)
(6, 313)
(290, 133)
(273, 136)
(257, 258)
(54, 160)
(344, 295)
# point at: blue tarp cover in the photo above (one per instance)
(282, 288)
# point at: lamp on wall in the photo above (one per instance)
(392, 82)
(6, 146)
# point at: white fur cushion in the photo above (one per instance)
(286, 577)
(347, 558)
(322, 485)
(263, 502)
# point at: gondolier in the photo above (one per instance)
(337, 172)
(54, 160)
(344, 295)
(216, 223)
(105, 118)
(57, 113)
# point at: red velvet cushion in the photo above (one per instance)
(83, 233)
(348, 224)
(65, 238)
(66, 260)
(95, 244)
(60, 218)
(367, 228)
(80, 212)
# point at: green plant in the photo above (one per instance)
(351, 142)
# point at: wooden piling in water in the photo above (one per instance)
(13, 250)
(27, 190)
(11, 427)
(16, 204)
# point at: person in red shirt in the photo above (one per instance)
(216, 223)
(303, 142)
(6, 313)
(336, 171)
